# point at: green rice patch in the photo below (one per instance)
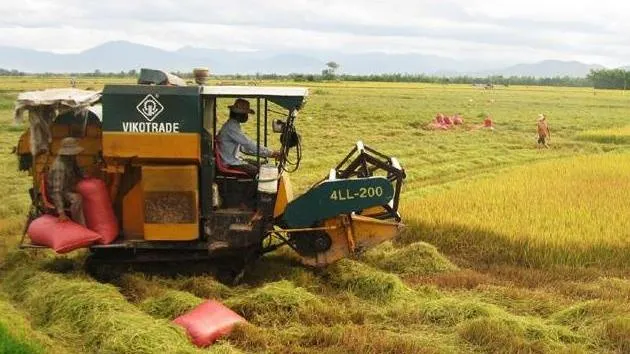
(202, 286)
(418, 258)
(18, 336)
(587, 313)
(617, 333)
(9, 344)
(171, 304)
(446, 311)
(511, 335)
(280, 302)
(337, 339)
(365, 282)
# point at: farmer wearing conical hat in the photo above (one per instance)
(62, 179)
(233, 141)
(543, 131)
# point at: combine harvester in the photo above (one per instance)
(154, 145)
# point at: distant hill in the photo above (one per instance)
(123, 56)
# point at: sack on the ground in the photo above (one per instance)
(208, 322)
(62, 237)
(98, 210)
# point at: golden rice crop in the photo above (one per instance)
(572, 211)
(609, 136)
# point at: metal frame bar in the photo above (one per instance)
(266, 124)
(258, 131)
(214, 120)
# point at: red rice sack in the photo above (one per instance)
(98, 210)
(62, 237)
(208, 322)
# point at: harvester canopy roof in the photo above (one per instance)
(287, 97)
(63, 100)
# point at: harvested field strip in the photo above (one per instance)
(570, 211)
(344, 318)
(96, 314)
(607, 136)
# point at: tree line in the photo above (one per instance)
(601, 79)
(616, 79)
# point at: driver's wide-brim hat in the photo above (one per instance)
(70, 146)
(241, 106)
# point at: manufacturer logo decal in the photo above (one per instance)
(150, 107)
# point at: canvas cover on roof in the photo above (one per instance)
(45, 106)
(63, 100)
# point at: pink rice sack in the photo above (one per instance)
(62, 237)
(208, 322)
(98, 210)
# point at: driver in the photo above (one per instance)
(233, 141)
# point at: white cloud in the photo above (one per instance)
(469, 29)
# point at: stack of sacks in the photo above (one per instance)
(62, 237)
(444, 122)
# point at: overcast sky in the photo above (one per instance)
(497, 30)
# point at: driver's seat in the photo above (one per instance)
(224, 169)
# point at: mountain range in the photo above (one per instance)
(124, 56)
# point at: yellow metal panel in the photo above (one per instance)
(358, 232)
(369, 232)
(339, 247)
(284, 196)
(171, 232)
(169, 178)
(133, 213)
(171, 203)
(152, 146)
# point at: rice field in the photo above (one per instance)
(508, 248)
(571, 211)
(607, 136)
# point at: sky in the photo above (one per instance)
(506, 31)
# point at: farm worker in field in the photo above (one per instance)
(543, 130)
(233, 141)
(488, 123)
(62, 179)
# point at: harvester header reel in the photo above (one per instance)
(364, 162)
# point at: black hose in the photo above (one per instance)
(290, 138)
